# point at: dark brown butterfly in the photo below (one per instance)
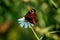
(31, 16)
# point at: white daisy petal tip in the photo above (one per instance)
(21, 19)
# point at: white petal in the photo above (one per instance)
(26, 25)
(21, 19)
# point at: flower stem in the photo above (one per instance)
(54, 3)
(34, 33)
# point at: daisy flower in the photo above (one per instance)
(24, 23)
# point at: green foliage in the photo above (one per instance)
(48, 13)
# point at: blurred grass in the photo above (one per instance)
(48, 13)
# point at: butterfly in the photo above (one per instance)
(30, 17)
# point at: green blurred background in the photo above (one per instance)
(48, 15)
